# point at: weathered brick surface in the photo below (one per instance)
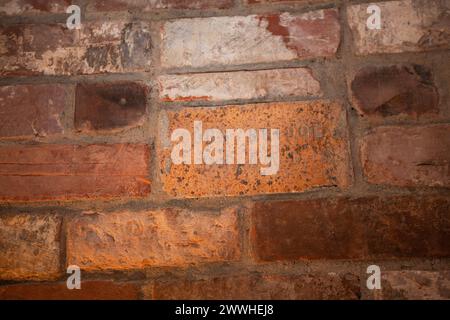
(90, 290)
(395, 90)
(407, 25)
(407, 156)
(33, 110)
(345, 228)
(258, 287)
(239, 85)
(33, 7)
(110, 106)
(313, 150)
(414, 285)
(166, 237)
(149, 5)
(284, 1)
(68, 172)
(250, 39)
(53, 49)
(29, 246)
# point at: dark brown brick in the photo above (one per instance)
(110, 106)
(258, 287)
(407, 156)
(69, 172)
(33, 110)
(345, 228)
(395, 90)
(90, 290)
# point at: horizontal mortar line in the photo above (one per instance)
(239, 102)
(391, 57)
(236, 69)
(137, 204)
(268, 66)
(74, 79)
(403, 125)
(176, 14)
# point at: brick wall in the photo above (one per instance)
(87, 178)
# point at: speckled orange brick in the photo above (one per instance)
(307, 161)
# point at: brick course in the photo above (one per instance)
(136, 148)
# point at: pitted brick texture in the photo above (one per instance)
(157, 238)
(313, 150)
(30, 247)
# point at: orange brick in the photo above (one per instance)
(313, 150)
(169, 237)
(69, 172)
(29, 246)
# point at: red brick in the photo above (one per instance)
(258, 287)
(30, 247)
(313, 150)
(33, 110)
(407, 156)
(69, 172)
(90, 290)
(279, 83)
(407, 25)
(21, 7)
(150, 5)
(414, 285)
(157, 238)
(250, 39)
(110, 106)
(53, 49)
(395, 90)
(346, 228)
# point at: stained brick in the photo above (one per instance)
(346, 228)
(395, 90)
(53, 49)
(239, 85)
(69, 172)
(20, 7)
(415, 285)
(407, 25)
(258, 287)
(166, 237)
(110, 106)
(149, 5)
(407, 156)
(30, 247)
(90, 290)
(33, 110)
(250, 39)
(313, 150)
(284, 1)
